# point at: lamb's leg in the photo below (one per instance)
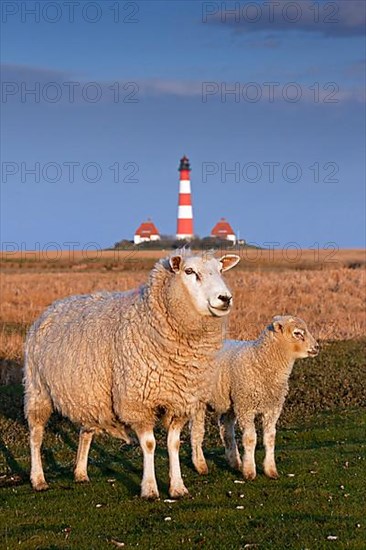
(269, 438)
(197, 427)
(177, 488)
(81, 466)
(149, 488)
(227, 434)
(249, 443)
(37, 411)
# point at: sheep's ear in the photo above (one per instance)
(175, 263)
(228, 261)
(277, 323)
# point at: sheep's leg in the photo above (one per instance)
(269, 439)
(197, 427)
(227, 434)
(37, 475)
(149, 488)
(249, 444)
(81, 466)
(37, 413)
(177, 488)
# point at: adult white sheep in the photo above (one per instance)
(111, 360)
(250, 379)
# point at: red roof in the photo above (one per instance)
(146, 229)
(222, 229)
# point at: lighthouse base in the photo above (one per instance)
(182, 236)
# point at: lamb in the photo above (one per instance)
(251, 378)
(115, 361)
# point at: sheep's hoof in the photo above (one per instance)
(233, 459)
(40, 486)
(201, 468)
(149, 491)
(235, 463)
(250, 475)
(81, 478)
(150, 496)
(178, 491)
(272, 474)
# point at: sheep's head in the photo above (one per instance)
(201, 277)
(296, 335)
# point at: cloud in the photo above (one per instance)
(341, 18)
(19, 81)
(357, 69)
(28, 73)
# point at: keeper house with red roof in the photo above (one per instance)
(146, 232)
(223, 230)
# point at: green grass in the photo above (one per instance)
(321, 441)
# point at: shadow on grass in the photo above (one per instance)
(11, 420)
(109, 463)
(11, 409)
(123, 464)
(18, 475)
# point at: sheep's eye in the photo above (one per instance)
(299, 334)
(190, 271)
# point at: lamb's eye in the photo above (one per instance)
(299, 334)
(188, 271)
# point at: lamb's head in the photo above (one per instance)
(295, 335)
(201, 278)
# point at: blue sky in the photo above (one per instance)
(150, 87)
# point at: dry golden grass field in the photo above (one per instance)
(326, 288)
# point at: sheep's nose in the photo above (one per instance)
(315, 349)
(225, 299)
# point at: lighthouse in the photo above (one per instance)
(185, 214)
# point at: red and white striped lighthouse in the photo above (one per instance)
(185, 214)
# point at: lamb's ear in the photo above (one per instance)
(277, 323)
(175, 263)
(228, 261)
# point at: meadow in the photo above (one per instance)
(326, 288)
(318, 502)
